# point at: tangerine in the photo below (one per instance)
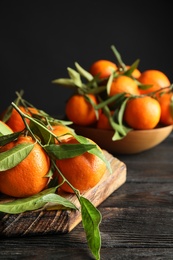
(83, 171)
(102, 68)
(142, 112)
(28, 177)
(103, 122)
(80, 111)
(123, 84)
(156, 78)
(166, 102)
(62, 131)
(15, 122)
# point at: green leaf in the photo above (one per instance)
(4, 129)
(5, 139)
(91, 219)
(75, 76)
(83, 72)
(109, 83)
(134, 66)
(67, 150)
(118, 57)
(47, 199)
(55, 202)
(14, 156)
(64, 82)
(26, 204)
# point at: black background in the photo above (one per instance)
(40, 39)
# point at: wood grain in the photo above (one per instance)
(63, 221)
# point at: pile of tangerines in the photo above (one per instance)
(41, 160)
(117, 96)
(36, 149)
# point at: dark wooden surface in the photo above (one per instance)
(137, 218)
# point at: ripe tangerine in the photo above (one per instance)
(102, 68)
(28, 177)
(80, 111)
(142, 113)
(83, 171)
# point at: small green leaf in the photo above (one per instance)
(64, 82)
(75, 76)
(54, 201)
(118, 57)
(83, 72)
(91, 219)
(109, 83)
(4, 129)
(14, 156)
(68, 150)
(5, 139)
(134, 66)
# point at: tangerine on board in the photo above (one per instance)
(83, 171)
(15, 122)
(166, 101)
(102, 68)
(123, 84)
(80, 111)
(62, 131)
(142, 113)
(28, 177)
(156, 78)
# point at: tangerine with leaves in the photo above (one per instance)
(166, 103)
(156, 78)
(83, 171)
(123, 84)
(142, 112)
(80, 111)
(15, 121)
(28, 177)
(102, 68)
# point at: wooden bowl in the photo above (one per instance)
(135, 141)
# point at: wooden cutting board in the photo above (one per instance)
(46, 222)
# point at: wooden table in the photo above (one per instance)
(137, 218)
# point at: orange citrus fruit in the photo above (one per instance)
(80, 111)
(28, 177)
(142, 113)
(166, 102)
(156, 78)
(15, 122)
(123, 84)
(83, 171)
(102, 68)
(62, 131)
(103, 122)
